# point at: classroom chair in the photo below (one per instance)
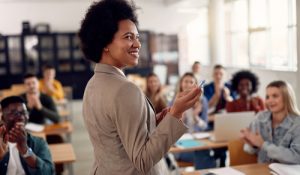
(237, 155)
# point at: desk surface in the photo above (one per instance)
(208, 144)
(249, 169)
(58, 128)
(64, 113)
(62, 153)
(211, 118)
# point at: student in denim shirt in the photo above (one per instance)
(274, 135)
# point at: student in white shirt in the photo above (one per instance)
(20, 152)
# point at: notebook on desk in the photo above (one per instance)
(284, 169)
(227, 126)
(188, 141)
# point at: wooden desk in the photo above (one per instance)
(65, 127)
(208, 144)
(64, 113)
(250, 169)
(58, 128)
(63, 153)
(64, 109)
(211, 118)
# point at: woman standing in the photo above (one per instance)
(274, 135)
(122, 125)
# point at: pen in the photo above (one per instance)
(201, 84)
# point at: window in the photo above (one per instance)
(261, 33)
(193, 41)
(236, 26)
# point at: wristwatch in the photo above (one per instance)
(28, 153)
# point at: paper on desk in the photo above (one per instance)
(226, 171)
(284, 169)
(201, 135)
(34, 127)
(186, 136)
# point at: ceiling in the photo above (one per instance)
(167, 3)
(182, 3)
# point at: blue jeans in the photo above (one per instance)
(201, 159)
(220, 153)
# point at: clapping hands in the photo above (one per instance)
(18, 135)
(253, 139)
(3, 142)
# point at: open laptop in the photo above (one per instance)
(227, 126)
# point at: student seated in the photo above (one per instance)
(196, 120)
(274, 135)
(218, 92)
(20, 152)
(49, 85)
(154, 94)
(42, 110)
(196, 69)
(245, 83)
(41, 107)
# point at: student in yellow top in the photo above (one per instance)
(50, 86)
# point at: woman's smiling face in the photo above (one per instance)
(274, 100)
(124, 48)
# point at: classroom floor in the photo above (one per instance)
(81, 142)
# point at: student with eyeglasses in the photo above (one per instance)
(20, 152)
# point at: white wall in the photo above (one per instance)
(62, 16)
(65, 15)
(265, 77)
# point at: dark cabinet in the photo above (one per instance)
(21, 54)
(3, 56)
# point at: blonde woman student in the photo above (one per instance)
(196, 120)
(274, 135)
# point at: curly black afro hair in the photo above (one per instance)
(101, 23)
(245, 74)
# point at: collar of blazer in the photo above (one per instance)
(105, 68)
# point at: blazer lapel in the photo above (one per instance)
(150, 104)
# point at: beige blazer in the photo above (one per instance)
(122, 126)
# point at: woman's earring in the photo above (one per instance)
(106, 49)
